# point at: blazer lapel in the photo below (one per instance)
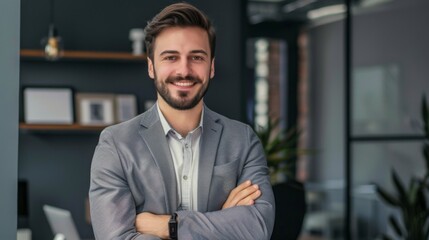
(209, 145)
(153, 135)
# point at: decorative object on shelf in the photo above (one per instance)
(137, 36)
(126, 107)
(48, 105)
(411, 200)
(96, 109)
(53, 43)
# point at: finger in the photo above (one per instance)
(244, 194)
(232, 195)
(250, 199)
(237, 189)
(240, 187)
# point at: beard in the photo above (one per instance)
(184, 101)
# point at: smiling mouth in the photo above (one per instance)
(183, 83)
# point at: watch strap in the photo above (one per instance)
(172, 226)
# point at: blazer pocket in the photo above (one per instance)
(224, 180)
(226, 169)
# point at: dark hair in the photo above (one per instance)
(182, 15)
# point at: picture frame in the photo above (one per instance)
(126, 107)
(48, 105)
(95, 109)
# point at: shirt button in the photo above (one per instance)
(185, 177)
(186, 145)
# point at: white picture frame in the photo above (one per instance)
(126, 107)
(95, 109)
(48, 105)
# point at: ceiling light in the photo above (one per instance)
(290, 7)
(326, 11)
(370, 3)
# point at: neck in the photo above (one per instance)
(183, 121)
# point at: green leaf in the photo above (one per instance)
(403, 199)
(396, 226)
(421, 199)
(389, 199)
(413, 191)
(426, 155)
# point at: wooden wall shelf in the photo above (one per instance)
(59, 128)
(34, 54)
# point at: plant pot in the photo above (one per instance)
(290, 210)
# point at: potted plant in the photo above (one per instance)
(411, 200)
(281, 151)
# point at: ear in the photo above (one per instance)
(212, 69)
(150, 68)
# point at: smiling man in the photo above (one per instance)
(180, 170)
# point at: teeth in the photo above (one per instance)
(184, 84)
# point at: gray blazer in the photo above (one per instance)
(132, 171)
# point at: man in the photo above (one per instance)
(179, 168)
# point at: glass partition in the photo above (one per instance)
(389, 79)
(390, 72)
(373, 165)
(365, 114)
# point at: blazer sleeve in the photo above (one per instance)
(241, 222)
(113, 210)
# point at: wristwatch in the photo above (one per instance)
(172, 226)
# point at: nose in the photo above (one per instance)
(184, 68)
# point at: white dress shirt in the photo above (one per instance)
(185, 152)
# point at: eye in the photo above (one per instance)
(170, 58)
(198, 58)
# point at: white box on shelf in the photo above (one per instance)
(48, 105)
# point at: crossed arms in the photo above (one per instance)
(243, 195)
(247, 213)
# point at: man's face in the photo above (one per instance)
(181, 66)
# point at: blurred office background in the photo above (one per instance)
(352, 81)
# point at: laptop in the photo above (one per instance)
(61, 223)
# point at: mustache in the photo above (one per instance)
(191, 78)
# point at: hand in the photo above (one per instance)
(244, 194)
(149, 223)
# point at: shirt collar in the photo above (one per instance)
(166, 126)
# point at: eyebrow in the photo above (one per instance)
(177, 52)
(199, 51)
(168, 52)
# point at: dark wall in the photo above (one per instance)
(56, 166)
(104, 25)
(9, 80)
